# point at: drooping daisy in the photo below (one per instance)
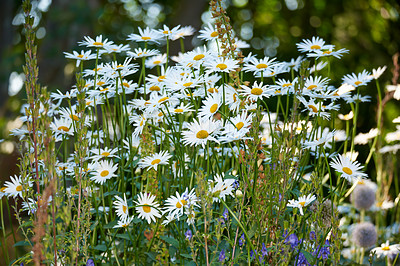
(328, 52)
(113, 48)
(147, 207)
(198, 133)
(349, 170)
(183, 32)
(358, 80)
(376, 73)
(301, 202)
(257, 91)
(104, 171)
(121, 206)
(155, 160)
(16, 186)
(167, 32)
(387, 250)
(83, 56)
(146, 35)
(210, 106)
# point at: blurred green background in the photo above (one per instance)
(370, 29)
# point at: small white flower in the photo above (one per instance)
(301, 202)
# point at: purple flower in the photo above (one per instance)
(225, 214)
(301, 260)
(235, 184)
(313, 235)
(90, 262)
(292, 240)
(188, 235)
(222, 256)
(241, 240)
(253, 254)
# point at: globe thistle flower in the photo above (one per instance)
(362, 197)
(324, 211)
(364, 235)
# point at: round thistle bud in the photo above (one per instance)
(364, 235)
(362, 197)
(324, 211)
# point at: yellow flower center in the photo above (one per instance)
(287, 85)
(315, 46)
(315, 110)
(3, 189)
(146, 209)
(80, 56)
(145, 38)
(178, 110)
(302, 203)
(311, 87)
(261, 66)
(157, 62)
(124, 208)
(63, 128)
(277, 91)
(163, 99)
(161, 78)
(357, 83)
(202, 134)
(154, 88)
(18, 188)
(100, 83)
(165, 32)
(327, 52)
(126, 84)
(104, 173)
(222, 66)
(214, 34)
(98, 43)
(105, 154)
(239, 125)
(105, 89)
(155, 161)
(160, 114)
(125, 225)
(347, 170)
(256, 91)
(187, 84)
(181, 203)
(198, 57)
(214, 108)
(234, 98)
(386, 248)
(212, 90)
(75, 117)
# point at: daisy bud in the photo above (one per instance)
(364, 235)
(239, 193)
(362, 197)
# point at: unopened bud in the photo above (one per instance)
(239, 193)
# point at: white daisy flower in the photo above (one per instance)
(104, 171)
(257, 91)
(98, 43)
(376, 73)
(220, 64)
(83, 56)
(301, 202)
(209, 33)
(154, 160)
(121, 206)
(124, 223)
(358, 80)
(139, 52)
(198, 133)
(146, 35)
(210, 106)
(350, 170)
(100, 153)
(61, 128)
(312, 45)
(16, 186)
(147, 207)
(183, 32)
(220, 188)
(258, 65)
(386, 250)
(156, 60)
